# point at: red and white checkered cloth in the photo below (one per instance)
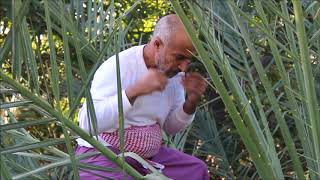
(142, 140)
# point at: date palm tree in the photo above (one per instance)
(262, 59)
(267, 100)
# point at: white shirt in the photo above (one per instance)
(163, 107)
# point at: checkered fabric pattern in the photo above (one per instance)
(142, 140)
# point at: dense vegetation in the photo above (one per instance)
(259, 118)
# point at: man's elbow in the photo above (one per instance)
(171, 130)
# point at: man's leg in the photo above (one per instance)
(102, 161)
(181, 166)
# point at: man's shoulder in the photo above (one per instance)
(132, 52)
(127, 58)
(133, 48)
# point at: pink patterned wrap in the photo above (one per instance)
(142, 140)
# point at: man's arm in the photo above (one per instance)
(195, 87)
(105, 98)
(183, 111)
(153, 80)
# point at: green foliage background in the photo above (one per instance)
(242, 41)
(142, 19)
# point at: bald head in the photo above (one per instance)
(170, 49)
(167, 26)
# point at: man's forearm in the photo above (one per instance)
(189, 107)
(132, 93)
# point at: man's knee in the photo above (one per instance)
(200, 167)
(199, 163)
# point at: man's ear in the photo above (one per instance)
(157, 42)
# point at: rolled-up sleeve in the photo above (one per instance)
(177, 119)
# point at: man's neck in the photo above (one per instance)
(148, 56)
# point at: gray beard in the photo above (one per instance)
(168, 73)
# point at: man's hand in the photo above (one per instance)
(195, 86)
(153, 80)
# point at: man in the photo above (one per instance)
(154, 85)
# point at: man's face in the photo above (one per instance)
(174, 57)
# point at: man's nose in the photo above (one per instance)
(183, 66)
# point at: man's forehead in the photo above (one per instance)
(184, 42)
